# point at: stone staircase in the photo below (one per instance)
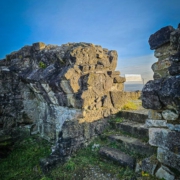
(127, 140)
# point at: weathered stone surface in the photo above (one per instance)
(169, 158)
(160, 65)
(154, 114)
(37, 79)
(169, 115)
(160, 37)
(118, 99)
(162, 51)
(38, 46)
(118, 156)
(137, 129)
(175, 58)
(174, 69)
(160, 68)
(133, 144)
(174, 40)
(156, 123)
(174, 127)
(165, 173)
(161, 93)
(169, 93)
(63, 93)
(133, 116)
(165, 138)
(149, 165)
(150, 98)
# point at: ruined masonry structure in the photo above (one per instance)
(64, 93)
(162, 97)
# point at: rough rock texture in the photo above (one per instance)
(61, 92)
(165, 138)
(154, 115)
(160, 37)
(149, 165)
(118, 156)
(165, 173)
(170, 115)
(162, 96)
(169, 158)
(40, 83)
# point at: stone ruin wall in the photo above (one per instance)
(162, 97)
(45, 85)
(63, 93)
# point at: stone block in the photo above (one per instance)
(165, 173)
(160, 65)
(174, 69)
(149, 165)
(161, 37)
(174, 40)
(165, 139)
(175, 58)
(156, 123)
(118, 99)
(38, 46)
(162, 51)
(154, 114)
(169, 158)
(174, 127)
(170, 115)
(118, 156)
(150, 98)
(119, 79)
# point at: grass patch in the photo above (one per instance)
(130, 106)
(116, 119)
(85, 159)
(23, 161)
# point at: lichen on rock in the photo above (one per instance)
(162, 97)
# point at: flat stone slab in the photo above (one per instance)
(156, 123)
(165, 139)
(133, 144)
(133, 128)
(136, 116)
(169, 158)
(165, 173)
(149, 165)
(118, 156)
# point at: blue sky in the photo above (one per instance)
(122, 25)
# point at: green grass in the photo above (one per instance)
(23, 161)
(86, 158)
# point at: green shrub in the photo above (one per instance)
(42, 65)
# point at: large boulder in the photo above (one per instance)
(160, 37)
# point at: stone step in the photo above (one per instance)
(133, 145)
(118, 156)
(133, 116)
(133, 128)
